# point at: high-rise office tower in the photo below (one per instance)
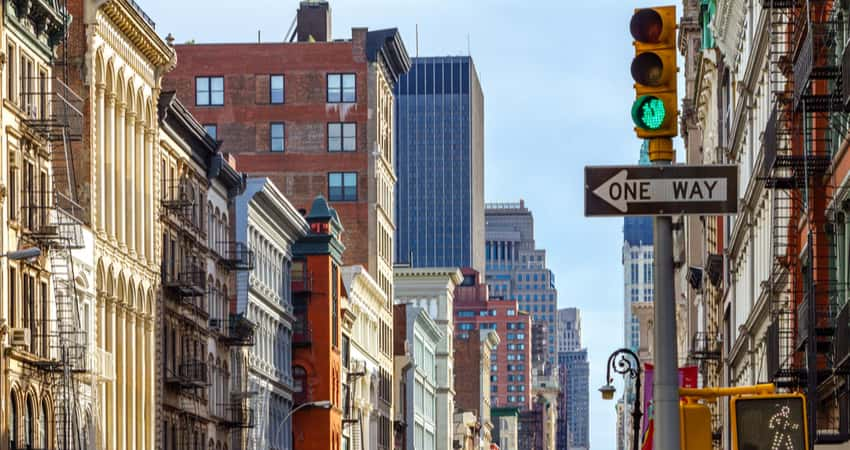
(574, 371)
(440, 164)
(516, 268)
(637, 267)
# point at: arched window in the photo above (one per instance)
(44, 429)
(28, 425)
(13, 422)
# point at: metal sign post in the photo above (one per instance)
(662, 190)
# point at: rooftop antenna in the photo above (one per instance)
(258, 36)
(468, 46)
(417, 40)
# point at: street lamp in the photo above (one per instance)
(324, 404)
(26, 253)
(627, 364)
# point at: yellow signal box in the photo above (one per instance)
(655, 110)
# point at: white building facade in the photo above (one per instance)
(433, 290)
(270, 225)
(368, 362)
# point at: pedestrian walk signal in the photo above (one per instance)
(654, 70)
(771, 422)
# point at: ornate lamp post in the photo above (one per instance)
(626, 363)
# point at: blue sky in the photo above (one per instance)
(557, 89)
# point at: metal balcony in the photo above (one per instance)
(188, 281)
(180, 204)
(824, 326)
(705, 347)
(236, 415)
(236, 331)
(841, 345)
(189, 375)
(236, 256)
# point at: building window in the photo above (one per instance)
(341, 88)
(13, 422)
(276, 92)
(342, 186)
(342, 137)
(209, 91)
(278, 137)
(211, 130)
(344, 351)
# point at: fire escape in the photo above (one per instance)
(53, 117)
(799, 141)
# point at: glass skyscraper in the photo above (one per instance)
(440, 164)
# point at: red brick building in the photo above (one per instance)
(316, 354)
(315, 116)
(511, 367)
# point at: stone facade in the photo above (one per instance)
(433, 290)
(369, 365)
(270, 225)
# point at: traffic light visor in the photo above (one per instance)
(648, 69)
(649, 112)
(647, 26)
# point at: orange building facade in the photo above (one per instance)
(316, 361)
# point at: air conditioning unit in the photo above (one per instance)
(20, 337)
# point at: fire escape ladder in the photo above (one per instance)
(778, 174)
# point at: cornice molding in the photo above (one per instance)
(130, 23)
(728, 26)
(429, 272)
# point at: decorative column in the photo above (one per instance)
(101, 159)
(101, 347)
(139, 217)
(111, 170)
(120, 207)
(150, 354)
(130, 181)
(132, 413)
(141, 373)
(112, 392)
(150, 193)
(121, 374)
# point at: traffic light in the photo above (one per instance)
(695, 426)
(655, 110)
(769, 422)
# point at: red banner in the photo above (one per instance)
(688, 378)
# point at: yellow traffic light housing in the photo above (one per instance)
(656, 108)
(695, 426)
(773, 422)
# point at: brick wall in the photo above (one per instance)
(301, 171)
(467, 358)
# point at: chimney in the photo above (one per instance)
(314, 21)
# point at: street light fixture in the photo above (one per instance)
(627, 364)
(26, 253)
(323, 404)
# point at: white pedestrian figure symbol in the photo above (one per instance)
(784, 429)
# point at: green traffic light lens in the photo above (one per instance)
(648, 69)
(648, 112)
(647, 26)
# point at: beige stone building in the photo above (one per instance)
(42, 319)
(116, 63)
(367, 359)
(433, 290)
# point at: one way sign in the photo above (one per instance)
(660, 190)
